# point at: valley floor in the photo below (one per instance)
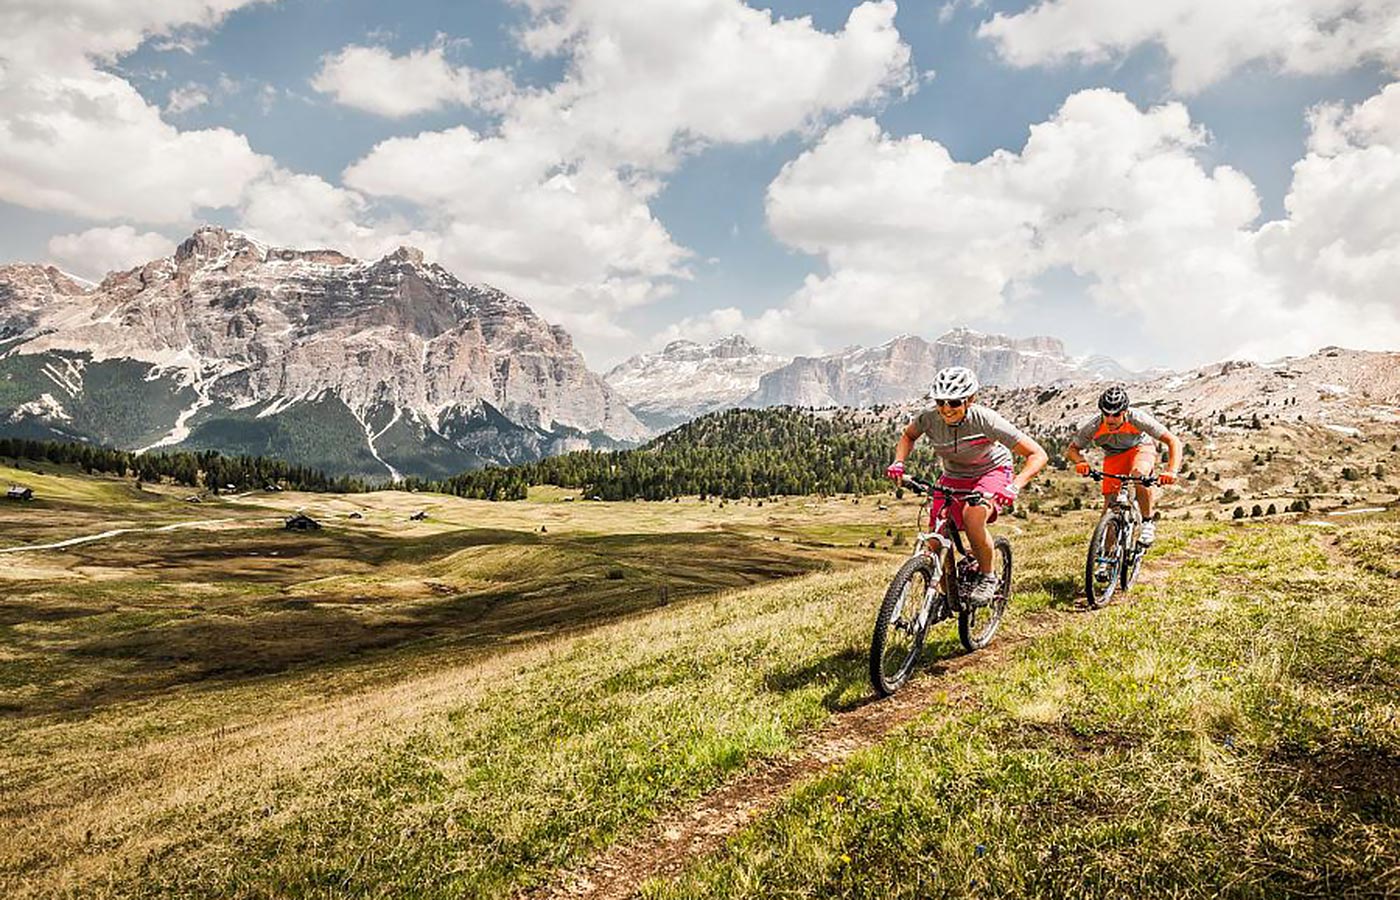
(538, 697)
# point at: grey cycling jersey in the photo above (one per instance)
(974, 446)
(1139, 428)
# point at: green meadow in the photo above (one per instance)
(479, 703)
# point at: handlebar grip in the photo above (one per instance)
(915, 484)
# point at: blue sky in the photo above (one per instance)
(813, 174)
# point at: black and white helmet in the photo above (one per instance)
(1113, 401)
(954, 383)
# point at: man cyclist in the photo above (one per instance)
(974, 445)
(1128, 438)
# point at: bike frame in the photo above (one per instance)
(1124, 507)
(1123, 501)
(941, 531)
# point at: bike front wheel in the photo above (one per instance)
(901, 624)
(1133, 564)
(978, 625)
(1103, 564)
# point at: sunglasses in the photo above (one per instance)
(951, 404)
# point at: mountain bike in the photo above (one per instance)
(1115, 555)
(932, 585)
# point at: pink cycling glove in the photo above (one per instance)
(1006, 496)
(896, 471)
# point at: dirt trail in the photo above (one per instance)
(670, 844)
(89, 538)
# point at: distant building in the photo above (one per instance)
(418, 516)
(302, 522)
(19, 492)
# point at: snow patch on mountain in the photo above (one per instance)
(685, 379)
(46, 407)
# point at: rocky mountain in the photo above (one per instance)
(1333, 393)
(903, 368)
(380, 368)
(1338, 390)
(685, 379)
(26, 291)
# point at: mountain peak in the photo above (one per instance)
(212, 242)
(685, 379)
(406, 254)
(733, 347)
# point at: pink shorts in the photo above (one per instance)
(987, 484)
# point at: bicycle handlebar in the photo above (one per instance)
(1145, 480)
(924, 487)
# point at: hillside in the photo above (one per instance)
(735, 453)
(1328, 430)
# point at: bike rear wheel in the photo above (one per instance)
(901, 624)
(1104, 562)
(978, 625)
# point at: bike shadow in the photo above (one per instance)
(845, 675)
(1065, 592)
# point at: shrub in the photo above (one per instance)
(1238, 513)
(615, 574)
(1271, 511)
(1257, 511)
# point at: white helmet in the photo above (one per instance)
(954, 383)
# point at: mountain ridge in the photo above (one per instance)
(229, 333)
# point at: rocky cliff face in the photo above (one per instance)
(903, 368)
(27, 292)
(685, 379)
(248, 346)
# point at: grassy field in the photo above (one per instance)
(1230, 731)
(468, 705)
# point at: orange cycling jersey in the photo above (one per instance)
(1138, 429)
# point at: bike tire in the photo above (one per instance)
(894, 641)
(977, 626)
(1098, 591)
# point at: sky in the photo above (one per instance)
(1168, 183)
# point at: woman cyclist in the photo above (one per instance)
(975, 445)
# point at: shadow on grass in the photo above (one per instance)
(1064, 590)
(179, 642)
(845, 674)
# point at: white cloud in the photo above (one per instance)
(374, 80)
(1339, 248)
(914, 240)
(77, 139)
(554, 202)
(1206, 39)
(647, 75)
(772, 330)
(97, 251)
(293, 210)
(184, 99)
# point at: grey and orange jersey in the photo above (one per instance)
(975, 446)
(1138, 429)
